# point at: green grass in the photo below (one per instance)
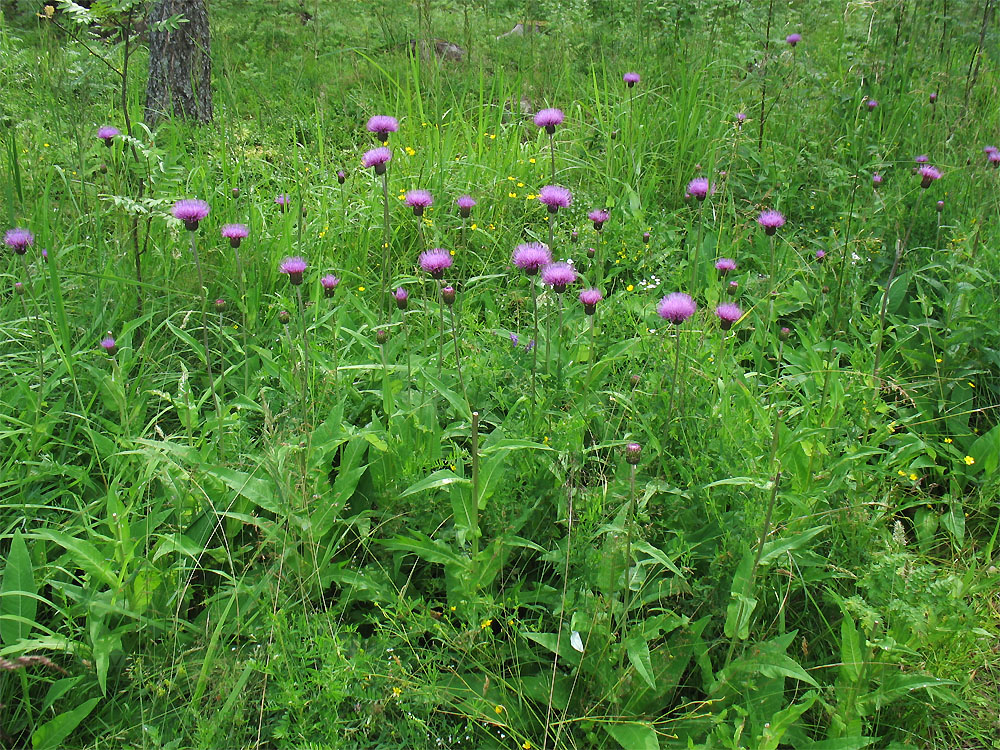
(805, 554)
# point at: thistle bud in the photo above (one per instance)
(448, 295)
(284, 317)
(381, 336)
(633, 452)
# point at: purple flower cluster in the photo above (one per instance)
(531, 256)
(190, 211)
(294, 266)
(548, 119)
(19, 240)
(676, 307)
(771, 220)
(558, 276)
(382, 125)
(235, 233)
(435, 262)
(378, 158)
(555, 197)
(418, 200)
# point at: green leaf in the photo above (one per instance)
(986, 451)
(17, 593)
(637, 736)
(778, 547)
(840, 743)
(638, 654)
(51, 734)
(783, 720)
(953, 520)
(426, 549)
(441, 478)
(851, 656)
(261, 492)
(84, 554)
(457, 402)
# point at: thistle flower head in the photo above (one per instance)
(418, 200)
(598, 216)
(283, 199)
(700, 188)
(877, 179)
(329, 284)
(235, 233)
(435, 262)
(531, 256)
(558, 275)
(377, 157)
(990, 150)
(382, 125)
(190, 211)
(741, 117)
(294, 266)
(728, 313)
(933, 97)
(631, 79)
(448, 295)
(793, 39)
(548, 119)
(19, 240)
(820, 255)
(589, 299)
(872, 104)
(555, 197)
(109, 345)
(922, 159)
(465, 204)
(633, 452)
(771, 220)
(107, 133)
(928, 174)
(725, 265)
(341, 176)
(676, 307)
(402, 297)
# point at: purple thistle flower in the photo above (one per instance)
(922, 159)
(820, 255)
(633, 452)
(190, 211)
(598, 216)
(928, 174)
(728, 313)
(700, 188)
(933, 97)
(418, 200)
(645, 238)
(435, 262)
(235, 233)
(220, 304)
(329, 284)
(341, 176)
(877, 179)
(548, 119)
(465, 204)
(19, 240)
(377, 157)
(589, 299)
(19, 288)
(725, 265)
(741, 117)
(734, 287)
(283, 201)
(107, 134)
(109, 345)
(993, 157)
(771, 221)
(382, 125)
(940, 206)
(531, 256)
(45, 255)
(555, 197)
(294, 266)
(872, 104)
(448, 295)
(990, 150)
(558, 276)
(793, 39)
(631, 79)
(402, 298)
(676, 307)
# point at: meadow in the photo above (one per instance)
(628, 383)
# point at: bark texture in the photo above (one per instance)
(180, 64)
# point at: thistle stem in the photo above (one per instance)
(385, 239)
(204, 338)
(458, 358)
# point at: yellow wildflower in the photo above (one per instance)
(397, 692)
(948, 440)
(629, 288)
(499, 709)
(531, 160)
(913, 477)
(486, 624)
(969, 460)
(361, 288)
(410, 151)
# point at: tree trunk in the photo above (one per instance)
(180, 64)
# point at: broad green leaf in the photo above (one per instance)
(851, 656)
(261, 492)
(659, 556)
(778, 547)
(985, 451)
(638, 654)
(51, 734)
(637, 736)
(17, 593)
(783, 720)
(441, 478)
(953, 520)
(840, 743)
(426, 549)
(84, 554)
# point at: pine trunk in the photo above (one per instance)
(180, 64)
